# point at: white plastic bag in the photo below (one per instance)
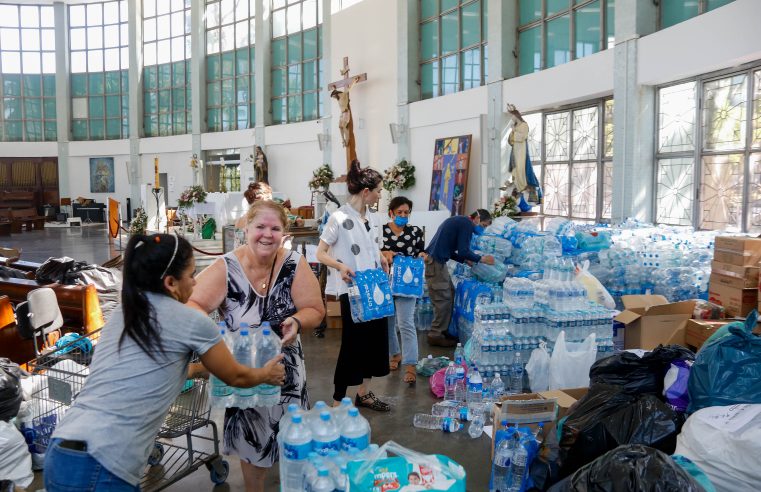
(15, 460)
(725, 443)
(596, 292)
(538, 369)
(570, 362)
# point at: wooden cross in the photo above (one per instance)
(345, 120)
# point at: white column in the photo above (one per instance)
(633, 116)
(262, 72)
(62, 94)
(407, 55)
(135, 97)
(197, 75)
(327, 70)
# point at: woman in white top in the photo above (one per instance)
(350, 242)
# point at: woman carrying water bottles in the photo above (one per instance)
(139, 368)
(262, 281)
(400, 238)
(350, 242)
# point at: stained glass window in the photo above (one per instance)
(297, 69)
(553, 32)
(453, 46)
(27, 73)
(166, 67)
(230, 37)
(713, 169)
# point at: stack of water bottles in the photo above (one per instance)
(370, 295)
(315, 446)
(423, 311)
(490, 273)
(514, 450)
(252, 350)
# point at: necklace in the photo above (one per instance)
(266, 280)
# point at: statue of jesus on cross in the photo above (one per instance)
(345, 121)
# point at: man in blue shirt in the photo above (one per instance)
(451, 242)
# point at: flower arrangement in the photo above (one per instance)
(321, 177)
(191, 196)
(400, 176)
(139, 222)
(505, 206)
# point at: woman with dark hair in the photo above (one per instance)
(350, 242)
(400, 238)
(139, 368)
(262, 281)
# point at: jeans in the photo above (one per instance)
(77, 471)
(404, 318)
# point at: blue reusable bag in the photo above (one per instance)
(407, 276)
(727, 370)
(370, 296)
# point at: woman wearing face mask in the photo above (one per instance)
(350, 242)
(139, 368)
(399, 238)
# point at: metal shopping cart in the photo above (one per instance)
(62, 372)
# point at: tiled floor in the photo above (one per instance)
(91, 244)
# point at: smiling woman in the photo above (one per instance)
(262, 281)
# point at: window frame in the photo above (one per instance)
(698, 153)
(437, 90)
(601, 159)
(702, 9)
(301, 93)
(544, 19)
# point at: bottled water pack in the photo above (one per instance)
(407, 276)
(370, 296)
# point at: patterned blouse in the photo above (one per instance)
(409, 243)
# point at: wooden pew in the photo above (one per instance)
(6, 217)
(5, 228)
(28, 217)
(17, 199)
(78, 303)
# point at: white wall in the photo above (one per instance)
(292, 154)
(366, 33)
(28, 149)
(79, 168)
(723, 38)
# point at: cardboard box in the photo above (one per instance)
(730, 281)
(650, 321)
(748, 274)
(737, 250)
(529, 409)
(699, 330)
(736, 302)
(333, 315)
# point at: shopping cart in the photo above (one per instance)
(62, 372)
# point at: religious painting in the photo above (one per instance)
(102, 175)
(450, 174)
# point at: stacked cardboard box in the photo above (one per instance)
(734, 278)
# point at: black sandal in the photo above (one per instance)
(371, 402)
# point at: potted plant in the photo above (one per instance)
(139, 222)
(321, 178)
(400, 176)
(505, 206)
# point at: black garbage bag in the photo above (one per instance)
(630, 468)
(54, 270)
(606, 418)
(10, 389)
(636, 374)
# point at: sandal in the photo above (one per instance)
(370, 401)
(394, 361)
(409, 374)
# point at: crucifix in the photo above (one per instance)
(345, 122)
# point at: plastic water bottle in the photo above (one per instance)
(516, 374)
(432, 422)
(285, 421)
(243, 348)
(325, 436)
(341, 479)
(476, 427)
(475, 387)
(297, 444)
(503, 456)
(450, 382)
(220, 392)
(453, 409)
(355, 431)
(497, 388)
(323, 482)
(518, 468)
(459, 355)
(339, 413)
(460, 389)
(267, 346)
